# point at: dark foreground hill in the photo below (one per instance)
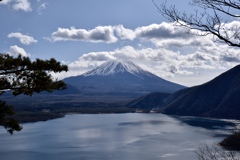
(218, 98)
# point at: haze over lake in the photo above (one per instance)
(112, 136)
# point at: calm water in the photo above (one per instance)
(111, 137)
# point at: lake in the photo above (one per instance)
(131, 136)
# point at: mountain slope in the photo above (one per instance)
(149, 101)
(218, 98)
(121, 77)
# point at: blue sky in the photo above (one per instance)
(86, 33)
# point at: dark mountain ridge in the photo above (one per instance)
(218, 98)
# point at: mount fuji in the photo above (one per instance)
(120, 78)
(105, 89)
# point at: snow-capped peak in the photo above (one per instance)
(117, 66)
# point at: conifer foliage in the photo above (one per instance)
(20, 75)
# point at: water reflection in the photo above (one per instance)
(207, 123)
(112, 136)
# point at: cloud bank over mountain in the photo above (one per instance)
(163, 62)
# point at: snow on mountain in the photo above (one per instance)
(120, 78)
(118, 66)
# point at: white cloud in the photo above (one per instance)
(164, 34)
(167, 35)
(22, 5)
(231, 31)
(15, 51)
(111, 34)
(195, 42)
(162, 31)
(124, 33)
(24, 39)
(107, 34)
(41, 7)
(99, 34)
